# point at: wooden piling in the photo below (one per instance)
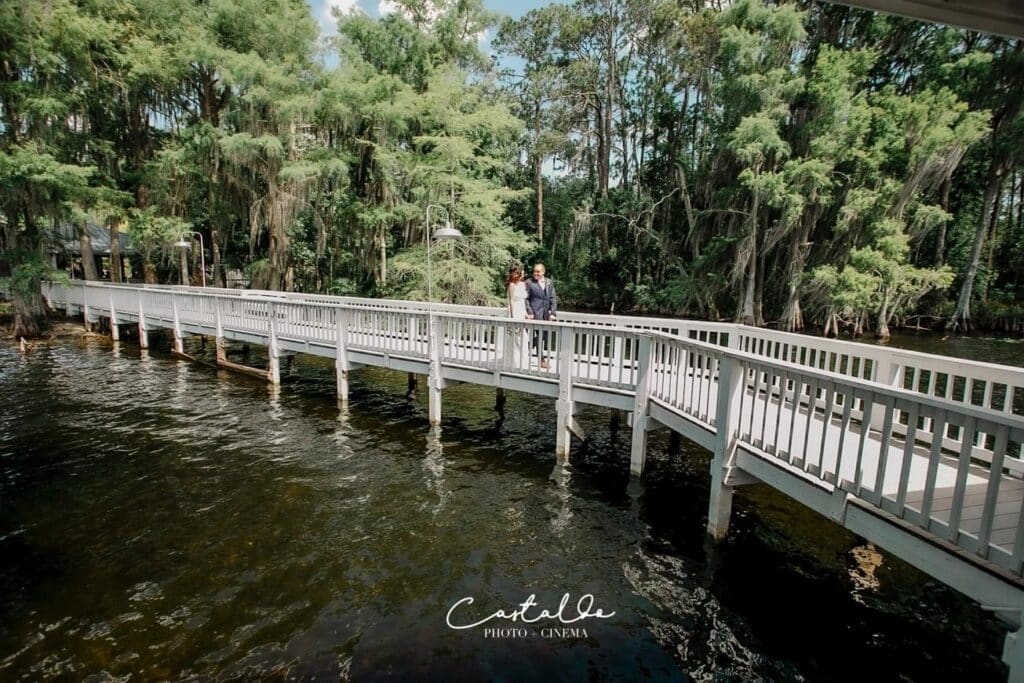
(564, 405)
(341, 367)
(435, 380)
(730, 392)
(638, 444)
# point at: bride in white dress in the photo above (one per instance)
(516, 291)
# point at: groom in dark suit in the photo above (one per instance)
(540, 304)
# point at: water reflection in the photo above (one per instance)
(561, 508)
(341, 433)
(160, 519)
(433, 467)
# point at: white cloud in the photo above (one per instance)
(386, 7)
(327, 23)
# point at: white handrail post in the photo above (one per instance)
(179, 345)
(273, 353)
(564, 406)
(341, 351)
(730, 394)
(222, 355)
(143, 332)
(638, 448)
(886, 372)
(115, 334)
(500, 333)
(85, 309)
(734, 337)
(434, 381)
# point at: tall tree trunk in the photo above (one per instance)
(940, 240)
(792, 312)
(993, 238)
(27, 293)
(882, 328)
(961, 320)
(382, 278)
(538, 176)
(183, 267)
(746, 313)
(603, 144)
(116, 275)
(218, 271)
(29, 312)
(993, 243)
(88, 258)
(606, 122)
(759, 290)
(691, 220)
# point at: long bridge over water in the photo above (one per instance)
(921, 454)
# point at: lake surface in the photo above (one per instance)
(160, 519)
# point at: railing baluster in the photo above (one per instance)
(812, 401)
(883, 450)
(963, 469)
(865, 437)
(826, 424)
(794, 409)
(908, 458)
(992, 489)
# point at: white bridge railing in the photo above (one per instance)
(934, 441)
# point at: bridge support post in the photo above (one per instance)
(115, 333)
(730, 393)
(615, 421)
(564, 405)
(1013, 655)
(638, 447)
(143, 332)
(218, 317)
(85, 309)
(179, 344)
(274, 368)
(434, 380)
(273, 352)
(341, 355)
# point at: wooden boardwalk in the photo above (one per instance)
(920, 454)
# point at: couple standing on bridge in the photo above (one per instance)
(530, 299)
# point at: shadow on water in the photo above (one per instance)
(164, 519)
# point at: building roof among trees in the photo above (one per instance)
(66, 240)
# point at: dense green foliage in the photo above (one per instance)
(788, 163)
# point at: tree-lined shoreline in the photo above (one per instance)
(789, 164)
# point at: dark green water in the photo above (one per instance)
(163, 520)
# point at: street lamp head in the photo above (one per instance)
(448, 232)
(183, 244)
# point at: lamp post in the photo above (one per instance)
(185, 244)
(435, 333)
(447, 232)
